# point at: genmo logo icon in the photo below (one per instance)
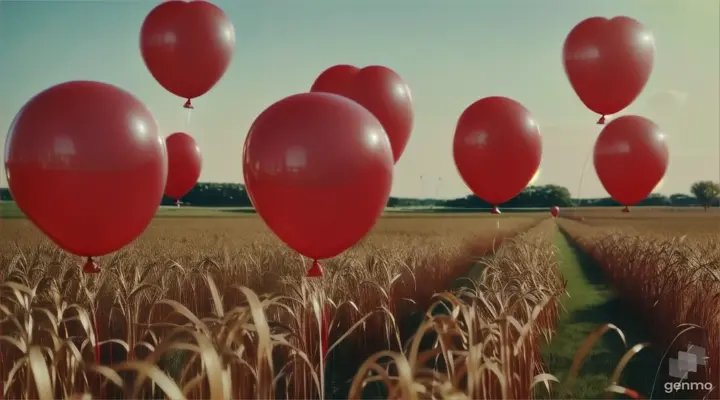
(687, 361)
(683, 367)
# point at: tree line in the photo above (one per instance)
(703, 193)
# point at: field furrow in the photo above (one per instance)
(590, 305)
(671, 282)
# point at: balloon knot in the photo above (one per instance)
(315, 271)
(601, 121)
(626, 209)
(495, 210)
(91, 267)
(188, 105)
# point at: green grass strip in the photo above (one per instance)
(590, 304)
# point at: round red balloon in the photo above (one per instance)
(187, 46)
(184, 164)
(497, 148)
(378, 89)
(630, 157)
(608, 62)
(318, 169)
(85, 163)
(555, 211)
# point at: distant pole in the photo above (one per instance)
(437, 191)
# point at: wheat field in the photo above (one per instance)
(139, 319)
(426, 306)
(665, 263)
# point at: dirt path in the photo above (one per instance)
(592, 303)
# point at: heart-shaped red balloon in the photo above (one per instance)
(381, 91)
(608, 62)
(187, 46)
(338, 79)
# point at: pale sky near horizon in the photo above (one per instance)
(450, 53)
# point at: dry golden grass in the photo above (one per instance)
(243, 251)
(179, 308)
(671, 279)
(666, 220)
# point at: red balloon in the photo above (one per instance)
(337, 79)
(85, 163)
(497, 148)
(555, 211)
(378, 89)
(187, 46)
(318, 169)
(608, 62)
(630, 157)
(184, 164)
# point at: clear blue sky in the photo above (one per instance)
(451, 53)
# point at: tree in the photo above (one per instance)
(682, 199)
(655, 199)
(531, 196)
(210, 194)
(707, 192)
(555, 195)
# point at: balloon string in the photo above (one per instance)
(97, 342)
(324, 333)
(324, 327)
(574, 204)
(187, 119)
(97, 351)
(110, 351)
(582, 175)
